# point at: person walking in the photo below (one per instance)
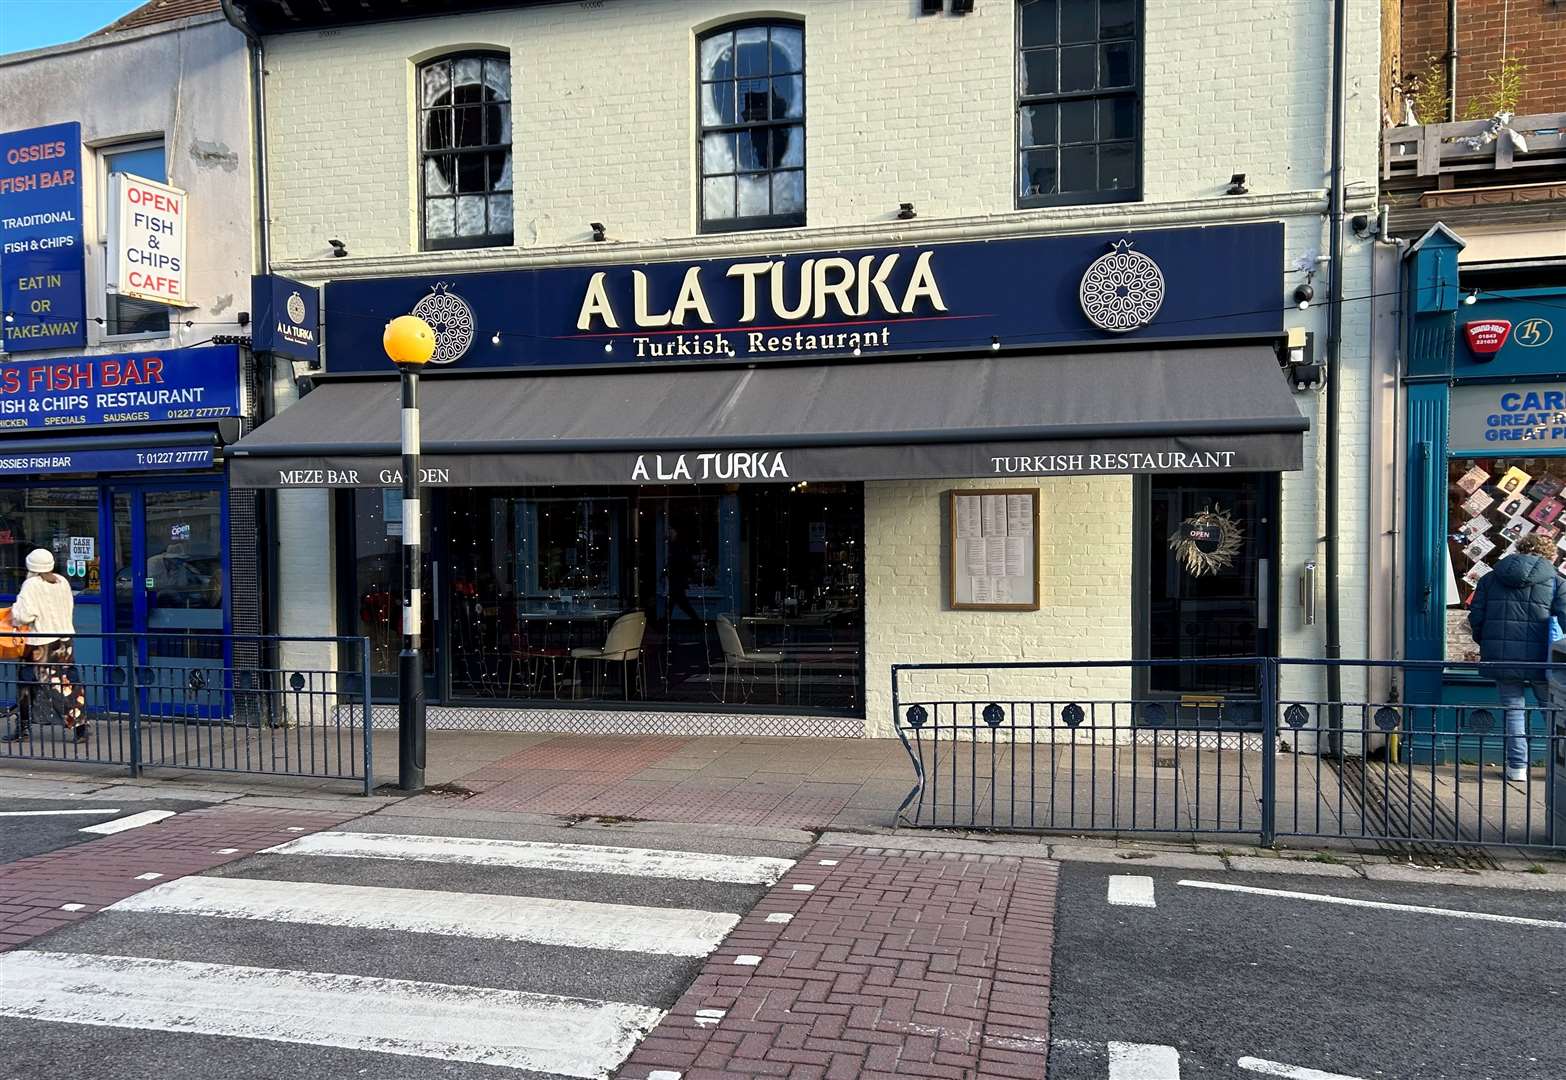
(45, 610)
(1510, 617)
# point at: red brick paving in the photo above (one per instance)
(895, 964)
(101, 872)
(596, 777)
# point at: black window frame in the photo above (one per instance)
(793, 219)
(1132, 92)
(487, 239)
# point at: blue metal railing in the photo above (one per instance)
(292, 706)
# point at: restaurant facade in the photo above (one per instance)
(713, 439)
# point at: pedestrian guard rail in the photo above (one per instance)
(1410, 754)
(282, 706)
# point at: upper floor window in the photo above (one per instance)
(1078, 101)
(752, 81)
(465, 151)
(124, 315)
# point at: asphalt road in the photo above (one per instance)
(1357, 992)
(24, 831)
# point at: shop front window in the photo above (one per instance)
(62, 519)
(740, 597)
(377, 570)
(1492, 503)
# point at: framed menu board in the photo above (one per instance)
(994, 564)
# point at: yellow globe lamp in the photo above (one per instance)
(408, 340)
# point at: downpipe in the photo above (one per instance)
(1333, 502)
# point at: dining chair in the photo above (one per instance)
(739, 659)
(622, 645)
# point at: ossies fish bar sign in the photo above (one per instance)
(42, 283)
(1037, 291)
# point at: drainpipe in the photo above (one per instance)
(1451, 60)
(1334, 386)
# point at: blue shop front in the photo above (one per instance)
(1485, 376)
(114, 463)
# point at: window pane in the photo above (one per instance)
(468, 80)
(499, 215)
(437, 129)
(717, 198)
(437, 176)
(717, 103)
(788, 146)
(439, 218)
(500, 170)
(1119, 64)
(1078, 66)
(47, 517)
(435, 83)
(1038, 22)
(470, 215)
(497, 125)
(753, 99)
(1076, 121)
(788, 192)
(1117, 118)
(1038, 71)
(717, 57)
(470, 126)
(1038, 172)
(146, 163)
(717, 153)
(1117, 167)
(1079, 168)
(750, 51)
(497, 77)
(1078, 21)
(788, 49)
(1037, 125)
(1117, 18)
(128, 316)
(470, 173)
(788, 97)
(751, 193)
(755, 149)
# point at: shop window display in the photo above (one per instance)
(1492, 503)
(61, 519)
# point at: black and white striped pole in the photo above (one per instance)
(410, 343)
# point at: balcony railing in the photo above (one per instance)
(1433, 149)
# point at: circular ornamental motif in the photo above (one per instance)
(296, 309)
(451, 319)
(1121, 290)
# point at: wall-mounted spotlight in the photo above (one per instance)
(339, 249)
(496, 339)
(994, 344)
(9, 318)
(906, 211)
(608, 346)
(599, 232)
(1237, 185)
(1303, 295)
(1472, 298)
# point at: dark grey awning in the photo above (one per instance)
(1170, 410)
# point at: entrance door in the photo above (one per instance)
(1207, 589)
(169, 556)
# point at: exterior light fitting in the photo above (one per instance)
(408, 340)
(599, 232)
(906, 211)
(1237, 185)
(1472, 298)
(339, 249)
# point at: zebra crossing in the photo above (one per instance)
(384, 954)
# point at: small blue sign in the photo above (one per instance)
(121, 388)
(42, 280)
(140, 459)
(285, 317)
(1148, 285)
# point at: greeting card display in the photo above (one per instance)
(1513, 481)
(1470, 481)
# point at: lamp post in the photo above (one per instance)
(409, 343)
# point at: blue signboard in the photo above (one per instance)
(285, 317)
(1035, 292)
(1512, 333)
(139, 459)
(42, 282)
(121, 388)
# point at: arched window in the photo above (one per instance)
(1079, 107)
(465, 151)
(752, 151)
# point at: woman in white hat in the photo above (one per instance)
(45, 609)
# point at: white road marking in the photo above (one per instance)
(1347, 901)
(530, 855)
(1290, 1072)
(149, 876)
(569, 1036)
(804, 888)
(58, 813)
(664, 1074)
(227, 851)
(828, 862)
(135, 821)
(1131, 890)
(72, 907)
(1143, 1061)
(780, 917)
(574, 923)
(747, 960)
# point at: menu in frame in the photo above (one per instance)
(993, 558)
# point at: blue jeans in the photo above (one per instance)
(1514, 705)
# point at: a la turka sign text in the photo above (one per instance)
(909, 300)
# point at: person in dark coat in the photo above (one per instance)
(1510, 618)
